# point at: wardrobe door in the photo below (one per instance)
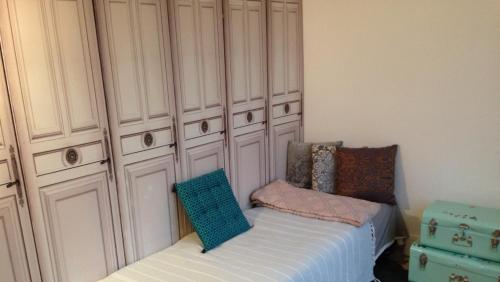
(285, 77)
(282, 134)
(135, 53)
(18, 261)
(198, 59)
(54, 79)
(245, 29)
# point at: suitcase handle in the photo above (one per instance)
(458, 278)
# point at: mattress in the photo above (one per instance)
(279, 247)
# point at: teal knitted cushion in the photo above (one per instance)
(212, 208)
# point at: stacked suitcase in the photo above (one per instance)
(458, 243)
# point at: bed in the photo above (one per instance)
(279, 247)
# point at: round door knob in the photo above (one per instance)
(249, 117)
(71, 156)
(287, 108)
(204, 126)
(148, 139)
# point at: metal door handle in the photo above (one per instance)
(174, 133)
(16, 181)
(106, 160)
(108, 154)
(224, 119)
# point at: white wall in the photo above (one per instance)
(423, 74)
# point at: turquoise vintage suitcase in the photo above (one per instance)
(434, 265)
(463, 229)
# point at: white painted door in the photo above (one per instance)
(282, 134)
(135, 50)
(198, 60)
(246, 65)
(54, 79)
(198, 52)
(18, 261)
(285, 63)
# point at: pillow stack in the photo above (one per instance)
(363, 173)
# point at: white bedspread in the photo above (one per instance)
(280, 247)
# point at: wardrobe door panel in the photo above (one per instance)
(256, 50)
(277, 51)
(154, 208)
(210, 51)
(237, 52)
(250, 165)
(293, 49)
(282, 134)
(144, 148)
(43, 112)
(55, 85)
(204, 159)
(78, 82)
(13, 262)
(155, 69)
(188, 56)
(82, 242)
(122, 51)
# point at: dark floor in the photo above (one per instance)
(391, 266)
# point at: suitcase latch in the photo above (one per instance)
(463, 238)
(423, 261)
(432, 227)
(459, 278)
(495, 241)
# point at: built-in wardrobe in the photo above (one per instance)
(107, 103)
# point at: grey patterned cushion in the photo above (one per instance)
(323, 168)
(299, 163)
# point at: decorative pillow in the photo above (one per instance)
(366, 173)
(299, 163)
(212, 208)
(323, 167)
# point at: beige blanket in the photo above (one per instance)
(284, 197)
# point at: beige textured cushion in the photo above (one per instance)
(299, 163)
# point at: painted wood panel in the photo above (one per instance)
(189, 57)
(154, 208)
(13, 262)
(123, 54)
(55, 85)
(293, 50)
(140, 33)
(210, 46)
(204, 159)
(81, 233)
(198, 52)
(282, 134)
(250, 160)
(237, 52)
(277, 51)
